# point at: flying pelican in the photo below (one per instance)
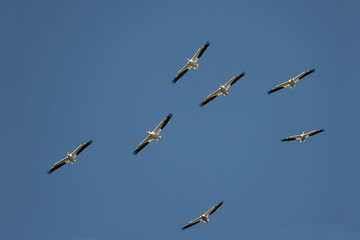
(154, 135)
(222, 89)
(291, 82)
(191, 62)
(203, 217)
(70, 157)
(303, 136)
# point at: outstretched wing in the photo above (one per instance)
(211, 97)
(292, 138)
(192, 223)
(278, 87)
(200, 51)
(80, 148)
(304, 74)
(213, 209)
(233, 80)
(163, 123)
(58, 165)
(143, 144)
(315, 132)
(181, 72)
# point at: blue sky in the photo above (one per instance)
(72, 71)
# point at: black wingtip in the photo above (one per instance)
(269, 92)
(49, 172)
(312, 70)
(135, 152)
(207, 43)
(173, 81)
(287, 140)
(321, 130)
(166, 120)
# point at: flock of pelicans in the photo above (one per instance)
(223, 89)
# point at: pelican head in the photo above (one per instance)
(219, 84)
(187, 60)
(148, 132)
(67, 153)
(303, 132)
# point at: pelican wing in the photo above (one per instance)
(315, 132)
(181, 72)
(200, 52)
(211, 97)
(233, 80)
(278, 87)
(292, 138)
(163, 123)
(192, 223)
(304, 74)
(80, 148)
(213, 209)
(143, 144)
(58, 165)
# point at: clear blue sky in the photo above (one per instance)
(72, 71)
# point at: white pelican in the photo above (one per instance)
(154, 135)
(70, 157)
(203, 217)
(191, 62)
(222, 89)
(303, 136)
(291, 82)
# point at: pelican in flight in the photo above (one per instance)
(154, 135)
(203, 217)
(303, 136)
(223, 89)
(69, 157)
(291, 82)
(191, 62)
